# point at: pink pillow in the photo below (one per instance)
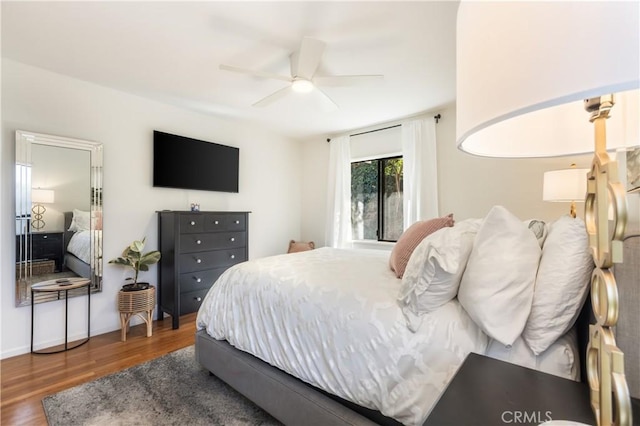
(410, 239)
(97, 220)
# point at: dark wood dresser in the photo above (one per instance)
(196, 247)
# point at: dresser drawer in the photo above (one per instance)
(197, 280)
(225, 222)
(212, 241)
(191, 223)
(201, 261)
(191, 301)
(43, 237)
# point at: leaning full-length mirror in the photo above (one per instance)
(58, 212)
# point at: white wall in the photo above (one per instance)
(315, 163)
(44, 102)
(468, 186)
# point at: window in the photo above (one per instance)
(376, 199)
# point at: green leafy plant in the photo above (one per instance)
(133, 257)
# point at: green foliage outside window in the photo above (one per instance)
(376, 199)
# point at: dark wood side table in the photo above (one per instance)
(60, 286)
(487, 392)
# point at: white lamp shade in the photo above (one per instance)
(565, 185)
(523, 69)
(39, 196)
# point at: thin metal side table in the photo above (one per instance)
(63, 285)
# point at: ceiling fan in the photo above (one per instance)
(304, 63)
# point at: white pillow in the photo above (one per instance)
(497, 287)
(562, 283)
(539, 229)
(81, 221)
(434, 270)
(561, 359)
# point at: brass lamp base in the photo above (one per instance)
(610, 399)
(38, 213)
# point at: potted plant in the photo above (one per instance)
(134, 257)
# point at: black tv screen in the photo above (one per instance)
(181, 162)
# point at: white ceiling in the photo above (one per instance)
(171, 51)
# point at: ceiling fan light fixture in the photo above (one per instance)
(302, 86)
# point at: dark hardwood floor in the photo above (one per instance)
(26, 379)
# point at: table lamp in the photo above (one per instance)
(526, 71)
(565, 186)
(38, 198)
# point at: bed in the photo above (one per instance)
(78, 240)
(321, 337)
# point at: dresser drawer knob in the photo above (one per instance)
(198, 299)
(198, 260)
(192, 223)
(198, 280)
(233, 256)
(232, 239)
(215, 222)
(198, 242)
(45, 236)
(237, 222)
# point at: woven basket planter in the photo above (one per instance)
(139, 303)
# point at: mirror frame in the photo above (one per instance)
(24, 144)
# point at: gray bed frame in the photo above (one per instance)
(294, 402)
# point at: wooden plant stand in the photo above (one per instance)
(139, 303)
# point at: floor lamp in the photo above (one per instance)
(526, 72)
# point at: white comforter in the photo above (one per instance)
(330, 318)
(80, 245)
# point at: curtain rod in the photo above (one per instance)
(376, 130)
(436, 117)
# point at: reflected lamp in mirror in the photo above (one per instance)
(565, 186)
(38, 198)
(523, 93)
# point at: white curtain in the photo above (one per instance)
(420, 189)
(338, 227)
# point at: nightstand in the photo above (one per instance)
(486, 391)
(48, 246)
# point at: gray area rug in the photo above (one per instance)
(170, 390)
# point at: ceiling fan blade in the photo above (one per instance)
(328, 103)
(268, 100)
(347, 80)
(305, 61)
(254, 73)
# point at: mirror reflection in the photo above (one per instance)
(58, 213)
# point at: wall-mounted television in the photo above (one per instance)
(181, 162)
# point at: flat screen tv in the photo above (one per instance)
(181, 162)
